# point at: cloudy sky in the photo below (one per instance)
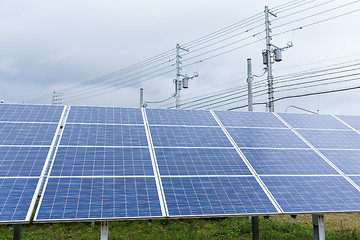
(62, 45)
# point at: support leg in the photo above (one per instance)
(319, 227)
(255, 228)
(17, 231)
(104, 230)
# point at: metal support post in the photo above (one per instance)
(17, 231)
(319, 227)
(104, 230)
(268, 63)
(141, 97)
(255, 228)
(249, 82)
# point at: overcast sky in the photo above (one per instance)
(54, 45)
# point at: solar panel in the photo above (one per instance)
(313, 121)
(249, 119)
(200, 161)
(333, 139)
(313, 194)
(208, 196)
(99, 198)
(287, 162)
(102, 161)
(30, 113)
(103, 135)
(109, 115)
(265, 138)
(348, 161)
(175, 117)
(176, 136)
(353, 121)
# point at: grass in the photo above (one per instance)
(337, 226)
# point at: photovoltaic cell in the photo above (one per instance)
(99, 198)
(103, 135)
(176, 117)
(200, 161)
(313, 121)
(110, 115)
(346, 160)
(30, 113)
(247, 119)
(353, 121)
(332, 139)
(287, 161)
(207, 196)
(15, 198)
(22, 161)
(175, 136)
(306, 194)
(266, 138)
(101, 161)
(26, 133)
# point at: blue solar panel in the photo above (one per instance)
(174, 136)
(176, 117)
(30, 113)
(306, 194)
(353, 121)
(346, 160)
(99, 198)
(249, 119)
(104, 135)
(200, 161)
(314, 121)
(15, 198)
(267, 138)
(206, 196)
(22, 161)
(332, 139)
(101, 161)
(287, 161)
(27, 133)
(105, 115)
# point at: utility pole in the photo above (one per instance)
(268, 62)
(56, 98)
(178, 81)
(249, 82)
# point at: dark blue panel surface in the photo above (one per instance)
(249, 119)
(353, 121)
(306, 194)
(174, 136)
(99, 198)
(287, 161)
(15, 198)
(180, 117)
(267, 138)
(332, 139)
(100, 161)
(103, 135)
(200, 161)
(22, 161)
(30, 113)
(314, 121)
(347, 161)
(105, 115)
(199, 196)
(27, 133)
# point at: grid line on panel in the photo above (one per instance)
(252, 170)
(321, 155)
(348, 125)
(351, 121)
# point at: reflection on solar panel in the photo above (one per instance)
(306, 194)
(353, 121)
(265, 138)
(287, 162)
(347, 161)
(206, 196)
(312, 121)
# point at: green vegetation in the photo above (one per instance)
(339, 226)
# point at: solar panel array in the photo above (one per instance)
(107, 163)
